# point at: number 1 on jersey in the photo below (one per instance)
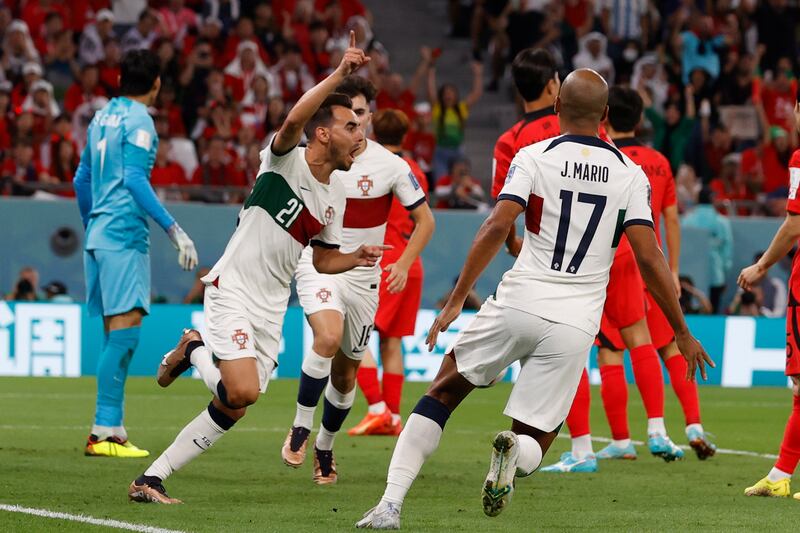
(101, 145)
(599, 203)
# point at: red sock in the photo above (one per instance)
(578, 417)
(392, 391)
(614, 391)
(686, 391)
(368, 382)
(649, 379)
(790, 447)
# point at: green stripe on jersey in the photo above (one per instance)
(274, 195)
(618, 231)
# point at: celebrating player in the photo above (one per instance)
(112, 185)
(632, 319)
(295, 202)
(341, 308)
(397, 310)
(579, 194)
(778, 480)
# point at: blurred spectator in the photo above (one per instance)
(166, 173)
(176, 21)
(773, 293)
(18, 49)
(692, 299)
(747, 303)
(779, 94)
(218, 169)
(56, 292)
(730, 186)
(449, 114)
(292, 74)
(700, 48)
(248, 65)
(109, 66)
(459, 190)
(91, 49)
(419, 141)
(60, 66)
(672, 131)
(776, 21)
(766, 166)
(720, 254)
(592, 54)
(473, 302)
(26, 286)
(65, 161)
(143, 34)
(85, 89)
(649, 76)
(687, 188)
(393, 93)
(20, 172)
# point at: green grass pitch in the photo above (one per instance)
(242, 485)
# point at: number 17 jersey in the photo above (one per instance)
(579, 194)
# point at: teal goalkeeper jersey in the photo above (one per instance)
(120, 136)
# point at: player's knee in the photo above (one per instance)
(342, 383)
(326, 342)
(239, 396)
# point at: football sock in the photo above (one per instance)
(120, 432)
(582, 447)
(198, 436)
(530, 455)
(789, 455)
(697, 427)
(578, 417)
(201, 358)
(102, 432)
(776, 475)
(377, 408)
(313, 378)
(621, 443)
(417, 442)
(393, 390)
(614, 391)
(367, 379)
(649, 379)
(112, 371)
(686, 391)
(334, 411)
(656, 426)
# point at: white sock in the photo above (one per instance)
(622, 443)
(102, 432)
(396, 419)
(777, 475)
(316, 366)
(340, 401)
(204, 363)
(582, 446)
(119, 431)
(377, 408)
(194, 439)
(656, 425)
(417, 442)
(304, 417)
(530, 455)
(698, 427)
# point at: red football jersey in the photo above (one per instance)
(399, 226)
(534, 127)
(793, 206)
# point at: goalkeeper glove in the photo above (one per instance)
(187, 253)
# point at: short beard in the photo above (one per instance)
(339, 159)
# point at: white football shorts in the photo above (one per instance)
(552, 357)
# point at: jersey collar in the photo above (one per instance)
(535, 115)
(628, 141)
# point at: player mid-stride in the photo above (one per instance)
(295, 202)
(341, 309)
(777, 481)
(579, 194)
(112, 185)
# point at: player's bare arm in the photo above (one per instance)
(292, 129)
(332, 261)
(672, 227)
(784, 240)
(424, 225)
(487, 243)
(658, 278)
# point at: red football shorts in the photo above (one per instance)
(660, 331)
(792, 340)
(397, 313)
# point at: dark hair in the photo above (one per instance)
(532, 69)
(748, 298)
(146, 12)
(353, 86)
(390, 126)
(324, 115)
(139, 70)
(706, 196)
(624, 108)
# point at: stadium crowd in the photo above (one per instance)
(717, 77)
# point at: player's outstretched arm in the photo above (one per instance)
(491, 236)
(331, 261)
(82, 183)
(783, 241)
(658, 278)
(292, 129)
(424, 225)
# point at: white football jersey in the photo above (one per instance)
(376, 177)
(579, 194)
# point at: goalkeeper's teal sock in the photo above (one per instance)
(112, 371)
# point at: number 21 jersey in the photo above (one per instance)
(579, 194)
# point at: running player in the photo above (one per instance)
(778, 480)
(397, 310)
(579, 194)
(629, 320)
(341, 309)
(112, 185)
(295, 202)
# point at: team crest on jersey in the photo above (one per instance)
(794, 182)
(365, 185)
(585, 152)
(414, 181)
(240, 338)
(329, 215)
(510, 173)
(324, 295)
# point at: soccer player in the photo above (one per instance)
(341, 309)
(536, 79)
(778, 481)
(295, 202)
(579, 194)
(115, 197)
(631, 319)
(397, 310)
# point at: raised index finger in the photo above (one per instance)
(352, 39)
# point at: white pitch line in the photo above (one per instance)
(723, 451)
(107, 522)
